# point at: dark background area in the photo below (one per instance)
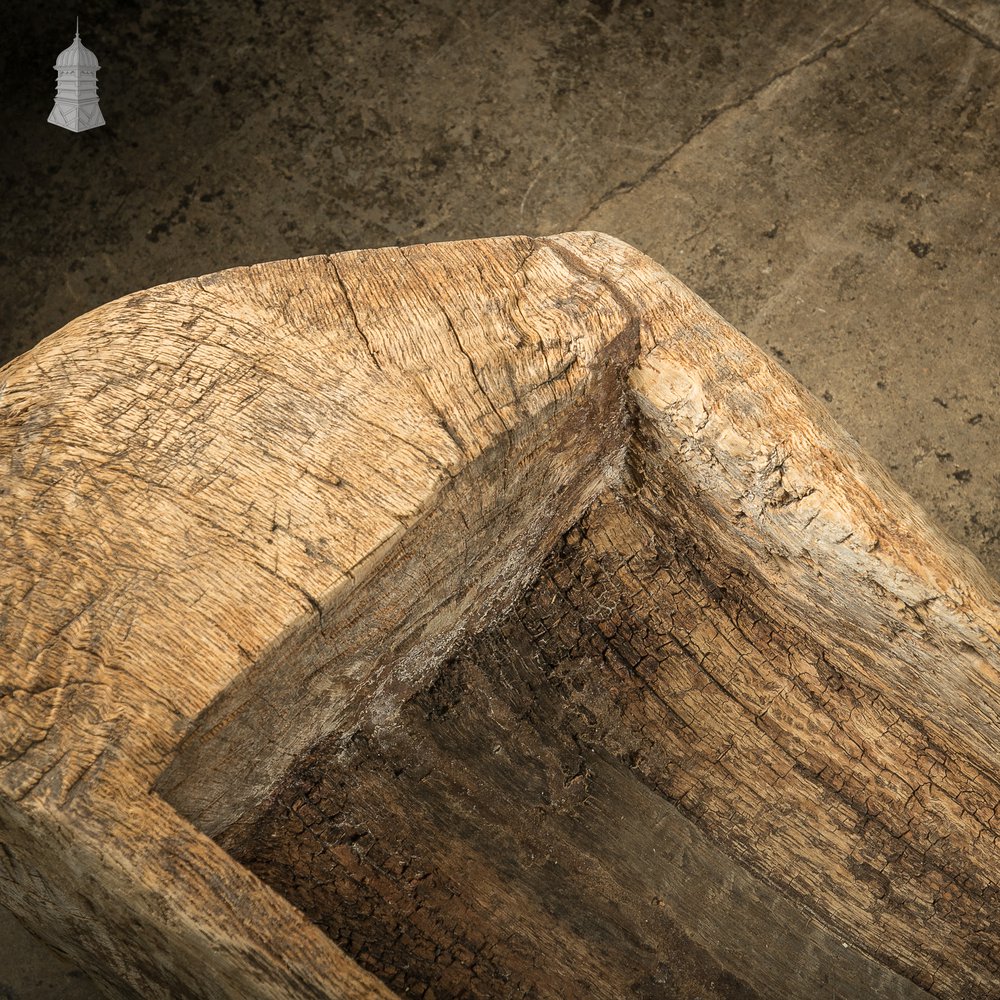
(825, 174)
(239, 132)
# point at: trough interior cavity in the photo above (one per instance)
(544, 816)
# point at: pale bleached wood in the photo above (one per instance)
(248, 511)
(196, 473)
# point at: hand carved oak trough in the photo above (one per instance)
(485, 619)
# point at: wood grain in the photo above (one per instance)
(256, 519)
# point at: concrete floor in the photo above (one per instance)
(825, 174)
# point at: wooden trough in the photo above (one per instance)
(484, 619)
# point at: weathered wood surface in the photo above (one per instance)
(510, 614)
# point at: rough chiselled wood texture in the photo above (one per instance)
(521, 789)
(292, 549)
